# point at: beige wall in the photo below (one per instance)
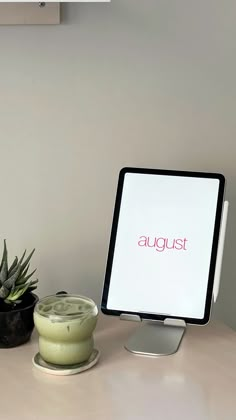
(144, 83)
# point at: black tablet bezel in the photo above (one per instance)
(220, 200)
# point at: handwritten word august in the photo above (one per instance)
(161, 244)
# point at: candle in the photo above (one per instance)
(65, 324)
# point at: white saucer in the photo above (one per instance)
(59, 370)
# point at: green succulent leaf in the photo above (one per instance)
(19, 291)
(11, 280)
(16, 289)
(34, 282)
(13, 270)
(24, 272)
(32, 285)
(24, 265)
(4, 292)
(4, 255)
(13, 266)
(16, 302)
(3, 272)
(21, 278)
(4, 265)
(30, 275)
(23, 256)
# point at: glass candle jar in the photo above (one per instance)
(65, 324)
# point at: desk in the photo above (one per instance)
(196, 383)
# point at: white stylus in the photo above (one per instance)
(220, 251)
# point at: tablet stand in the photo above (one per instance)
(156, 338)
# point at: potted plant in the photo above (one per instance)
(17, 301)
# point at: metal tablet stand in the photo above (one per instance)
(156, 338)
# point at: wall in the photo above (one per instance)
(128, 83)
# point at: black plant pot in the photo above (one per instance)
(17, 324)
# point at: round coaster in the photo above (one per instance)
(59, 370)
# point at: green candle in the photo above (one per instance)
(65, 324)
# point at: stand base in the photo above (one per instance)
(154, 339)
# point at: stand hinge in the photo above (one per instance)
(130, 317)
(175, 322)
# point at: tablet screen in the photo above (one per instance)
(164, 243)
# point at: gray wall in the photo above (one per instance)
(144, 83)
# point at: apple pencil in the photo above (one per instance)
(219, 257)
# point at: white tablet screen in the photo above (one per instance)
(163, 245)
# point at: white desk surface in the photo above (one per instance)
(196, 383)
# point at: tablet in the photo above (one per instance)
(163, 245)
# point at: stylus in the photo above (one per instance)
(220, 250)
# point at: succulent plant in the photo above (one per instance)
(15, 281)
